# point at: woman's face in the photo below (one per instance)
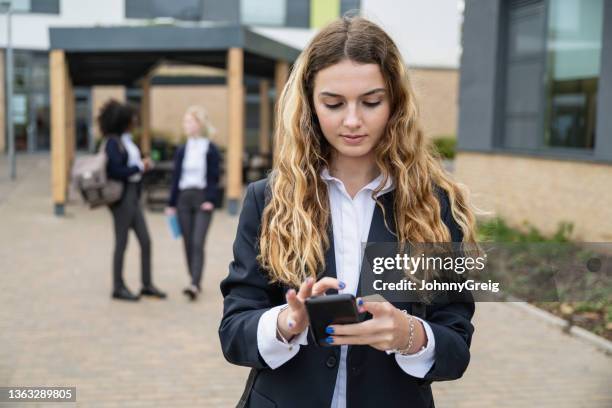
(352, 106)
(191, 126)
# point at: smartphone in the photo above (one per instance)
(330, 309)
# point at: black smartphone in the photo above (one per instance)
(330, 309)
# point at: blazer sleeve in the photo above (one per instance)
(246, 291)
(176, 176)
(116, 166)
(211, 192)
(450, 322)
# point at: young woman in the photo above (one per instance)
(351, 154)
(195, 191)
(125, 164)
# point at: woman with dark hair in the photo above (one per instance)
(125, 164)
(353, 166)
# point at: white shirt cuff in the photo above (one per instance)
(419, 364)
(274, 352)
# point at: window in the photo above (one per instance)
(190, 10)
(36, 6)
(550, 73)
(524, 69)
(252, 13)
(574, 35)
(31, 100)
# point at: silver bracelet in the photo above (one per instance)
(278, 332)
(405, 351)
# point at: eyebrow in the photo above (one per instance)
(373, 91)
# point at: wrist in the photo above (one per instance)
(414, 336)
(282, 329)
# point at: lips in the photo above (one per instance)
(352, 139)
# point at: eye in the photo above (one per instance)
(371, 104)
(333, 106)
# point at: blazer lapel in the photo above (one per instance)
(378, 230)
(330, 255)
(378, 233)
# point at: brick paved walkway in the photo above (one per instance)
(58, 325)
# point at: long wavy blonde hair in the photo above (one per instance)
(294, 229)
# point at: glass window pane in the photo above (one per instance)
(254, 14)
(45, 6)
(190, 10)
(524, 71)
(21, 5)
(573, 64)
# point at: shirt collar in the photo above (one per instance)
(371, 186)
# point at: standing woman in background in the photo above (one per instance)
(195, 191)
(125, 164)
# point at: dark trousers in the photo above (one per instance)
(194, 224)
(127, 214)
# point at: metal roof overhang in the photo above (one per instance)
(123, 55)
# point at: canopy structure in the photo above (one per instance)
(128, 55)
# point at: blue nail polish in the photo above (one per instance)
(360, 302)
(329, 330)
(329, 339)
(342, 285)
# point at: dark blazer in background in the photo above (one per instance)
(211, 192)
(308, 379)
(117, 159)
(116, 166)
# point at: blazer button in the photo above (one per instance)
(331, 361)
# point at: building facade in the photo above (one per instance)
(535, 135)
(435, 73)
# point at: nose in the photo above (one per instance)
(352, 120)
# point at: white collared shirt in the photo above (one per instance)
(134, 158)
(351, 220)
(193, 174)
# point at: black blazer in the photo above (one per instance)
(211, 192)
(116, 166)
(308, 379)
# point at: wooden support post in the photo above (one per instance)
(281, 73)
(70, 124)
(145, 117)
(2, 105)
(59, 129)
(264, 117)
(235, 140)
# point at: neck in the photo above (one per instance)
(354, 172)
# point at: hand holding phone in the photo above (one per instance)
(330, 309)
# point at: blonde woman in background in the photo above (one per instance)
(353, 166)
(195, 191)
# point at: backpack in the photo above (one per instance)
(90, 178)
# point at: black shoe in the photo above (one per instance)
(152, 291)
(192, 292)
(124, 293)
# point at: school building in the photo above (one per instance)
(535, 130)
(70, 56)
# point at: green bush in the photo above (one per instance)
(496, 230)
(445, 146)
